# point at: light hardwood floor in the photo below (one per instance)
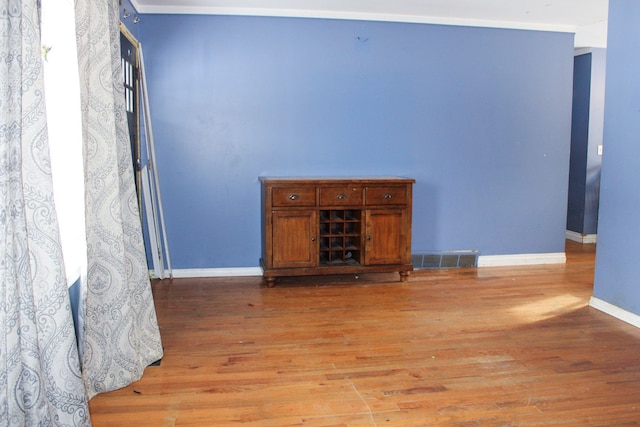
(514, 346)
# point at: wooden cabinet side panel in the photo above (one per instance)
(294, 239)
(408, 231)
(265, 224)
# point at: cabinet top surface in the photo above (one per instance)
(335, 179)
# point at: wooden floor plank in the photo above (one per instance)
(500, 346)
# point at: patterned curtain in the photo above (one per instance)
(40, 381)
(121, 335)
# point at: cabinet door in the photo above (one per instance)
(294, 239)
(386, 237)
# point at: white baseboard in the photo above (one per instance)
(615, 311)
(581, 238)
(483, 261)
(521, 259)
(188, 273)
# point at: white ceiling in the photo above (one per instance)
(586, 18)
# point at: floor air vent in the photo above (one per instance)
(449, 259)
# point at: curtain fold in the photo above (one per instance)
(40, 380)
(121, 335)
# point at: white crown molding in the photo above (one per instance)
(135, 5)
(359, 16)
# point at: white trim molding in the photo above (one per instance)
(581, 238)
(521, 259)
(483, 261)
(190, 273)
(204, 9)
(615, 311)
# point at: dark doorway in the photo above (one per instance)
(586, 145)
(130, 78)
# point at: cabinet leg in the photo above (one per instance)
(270, 281)
(404, 276)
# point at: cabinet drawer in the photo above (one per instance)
(396, 195)
(293, 196)
(341, 196)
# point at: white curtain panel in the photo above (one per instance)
(121, 335)
(40, 380)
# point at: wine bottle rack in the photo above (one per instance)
(340, 237)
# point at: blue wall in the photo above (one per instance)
(617, 267)
(132, 27)
(479, 117)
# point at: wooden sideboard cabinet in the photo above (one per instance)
(335, 225)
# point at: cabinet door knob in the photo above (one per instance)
(313, 239)
(341, 196)
(387, 196)
(368, 237)
(293, 197)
